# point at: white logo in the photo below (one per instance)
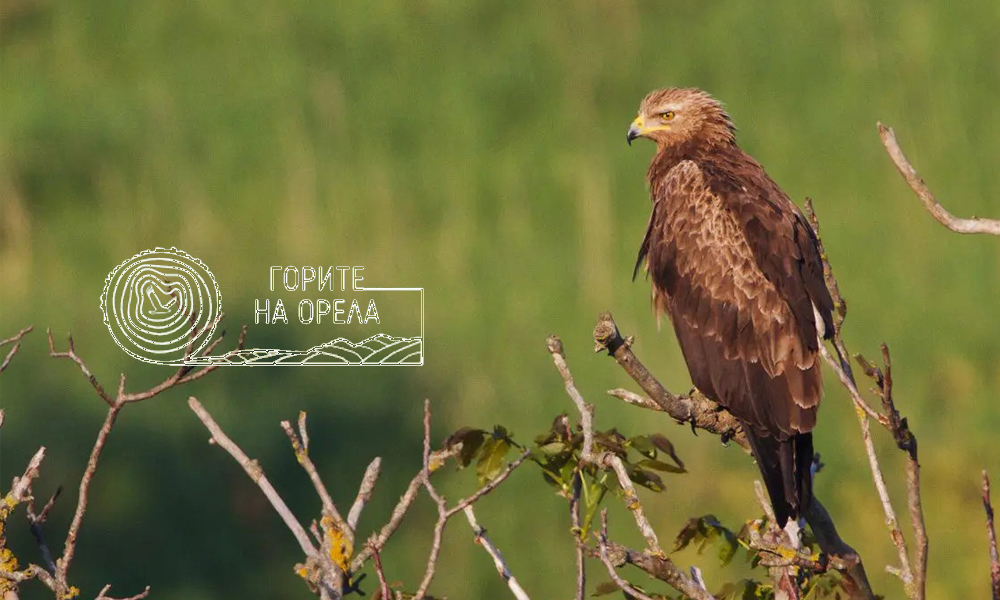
(160, 303)
(162, 307)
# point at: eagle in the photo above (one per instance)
(737, 269)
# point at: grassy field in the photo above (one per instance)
(476, 150)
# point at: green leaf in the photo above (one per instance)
(664, 445)
(727, 551)
(612, 441)
(704, 531)
(471, 440)
(746, 589)
(826, 586)
(553, 448)
(643, 445)
(689, 533)
(659, 465)
(646, 479)
(592, 496)
(491, 458)
(605, 588)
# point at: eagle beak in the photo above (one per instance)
(636, 129)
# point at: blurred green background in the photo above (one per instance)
(476, 150)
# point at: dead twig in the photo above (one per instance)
(255, 473)
(300, 445)
(16, 340)
(364, 492)
(914, 579)
(437, 457)
(20, 491)
(694, 408)
(602, 545)
(115, 405)
(104, 591)
(494, 552)
(69, 548)
(319, 569)
(35, 521)
(577, 531)
(386, 593)
(916, 183)
(992, 535)
(658, 567)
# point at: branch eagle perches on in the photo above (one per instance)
(704, 414)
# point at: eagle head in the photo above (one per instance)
(676, 117)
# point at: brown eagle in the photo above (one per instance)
(736, 267)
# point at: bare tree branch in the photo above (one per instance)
(69, 548)
(16, 340)
(659, 567)
(384, 592)
(301, 449)
(694, 408)
(35, 522)
(115, 406)
(489, 487)
(577, 531)
(602, 545)
(364, 492)
(437, 457)
(484, 541)
(20, 491)
(914, 580)
(104, 591)
(255, 473)
(907, 442)
(992, 535)
(916, 183)
(442, 507)
(319, 569)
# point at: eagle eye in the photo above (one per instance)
(668, 116)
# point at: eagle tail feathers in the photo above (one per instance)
(786, 467)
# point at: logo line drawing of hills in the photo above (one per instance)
(379, 349)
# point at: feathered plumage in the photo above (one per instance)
(736, 267)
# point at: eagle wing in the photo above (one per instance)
(736, 267)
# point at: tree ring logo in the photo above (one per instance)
(161, 305)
